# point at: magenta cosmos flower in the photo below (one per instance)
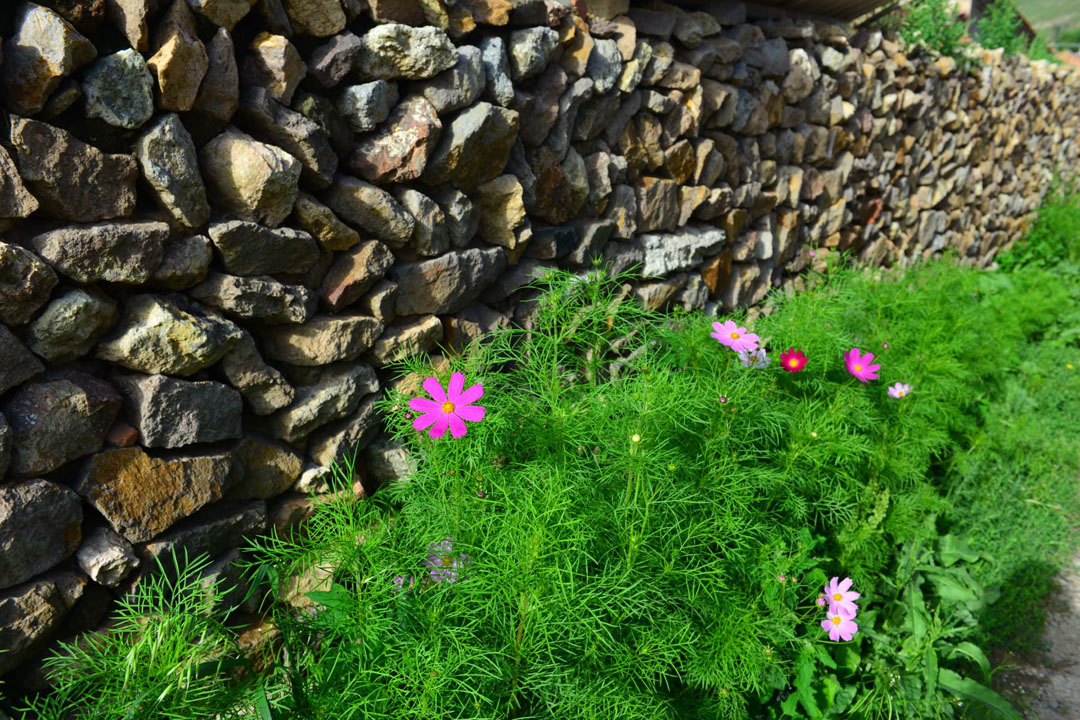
(899, 390)
(445, 566)
(841, 598)
(735, 337)
(859, 365)
(793, 360)
(448, 409)
(838, 626)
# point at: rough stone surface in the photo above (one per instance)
(412, 338)
(219, 93)
(682, 250)
(330, 63)
(372, 209)
(262, 469)
(140, 495)
(530, 50)
(180, 62)
(430, 234)
(32, 612)
(395, 51)
(43, 50)
(367, 105)
(335, 396)
(322, 340)
(474, 147)
(605, 65)
(15, 200)
(225, 13)
(399, 150)
(459, 86)
(273, 63)
(57, 419)
(184, 262)
(248, 248)
(118, 90)
(123, 252)
(166, 154)
(320, 18)
(71, 325)
(337, 442)
(17, 364)
(501, 209)
(447, 283)
(321, 222)
(156, 335)
(106, 557)
(462, 220)
(130, 16)
(172, 413)
(256, 298)
(267, 119)
(70, 179)
(264, 388)
(499, 89)
(252, 180)
(25, 284)
(40, 525)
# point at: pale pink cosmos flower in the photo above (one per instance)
(839, 627)
(841, 597)
(899, 390)
(860, 366)
(448, 409)
(820, 600)
(733, 336)
(757, 359)
(444, 566)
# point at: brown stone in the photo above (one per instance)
(554, 194)
(321, 222)
(501, 209)
(25, 284)
(32, 612)
(219, 95)
(412, 338)
(489, 12)
(680, 161)
(354, 272)
(262, 470)
(322, 340)
(399, 149)
(274, 64)
(180, 62)
(658, 204)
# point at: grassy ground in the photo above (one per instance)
(1048, 16)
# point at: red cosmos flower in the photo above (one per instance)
(793, 360)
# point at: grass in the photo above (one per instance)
(1048, 16)
(621, 531)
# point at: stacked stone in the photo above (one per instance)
(220, 219)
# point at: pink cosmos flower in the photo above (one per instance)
(839, 627)
(820, 600)
(899, 390)
(841, 598)
(448, 408)
(859, 365)
(793, 360)
(781, 578)
(757, 359)
(733, 336)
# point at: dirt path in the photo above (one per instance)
(1050, 689)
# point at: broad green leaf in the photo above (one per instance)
(804, 681)
(952, 549)
(968, 689)
(972, 651)
(930, 672)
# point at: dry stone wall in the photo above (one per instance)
(220, 219)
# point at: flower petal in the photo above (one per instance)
(425, 421)
(470, 395)
(424, 405)
(453, 389)
(844, 585)
(435, 390)
(457, 425)
(439, 428)
(472, 413)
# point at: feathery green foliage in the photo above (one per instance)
(934, 24)
(1001, 27)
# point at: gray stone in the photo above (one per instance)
(321, 222)
(499, 89)
(257, 298)
(336, 396)
(633, 71)
(225, 13)
(262, 469)
(657, 204)
(263, 387)
(157, 335)
(802, 75)
(569, 104)
(106, 557)
(184, 263)
(430, 234)
(771, 56)
(43, 49)
(71, 325)
(31, 613)
(72, 180)
(414, 53)
(252, 180)
(119, 90)
(605, 65)
(5, 446)
(458, 87)
(219, 93)
(388, 461)
(125, 252)
(211, 532)
(322, 340)
(398, 151)
(337, 444)
(17, 364)
(530, 51)
(140, 495)
(367, 105)
(371, 208)
(474, 323)
(15, 200)
(172, 413)
(448, 283)
(667, 253)
(273, 64)
(410, 338)
(594, 235)
(40, 525)
(25, 284)
(379, 302)
(539, 112)
(57, 419)
(330, 63)
(267, 119)
(474, 147)
(169, 164)
(462, 220)
(248, 248)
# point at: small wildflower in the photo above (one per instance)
(793, 360)
(899, 390)
(839, 627)
(481, 494)
(444, 566)
(733, 336)
(671, 467)
(448, 409)
(635, 438)
(723, 399)
(768, 651)
(813, 434)
(860, 366)
(781, 578)
(399, 582)
(820, 600)
(884, 346)
(841, 598)
(756, 359)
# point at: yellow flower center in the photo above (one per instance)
(900, 393)
(734, 336)
(448, 407)
(838, 596)
(447, 562)
(793, 362)
(858, 368)
(836, 620)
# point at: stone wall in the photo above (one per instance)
(220, 220)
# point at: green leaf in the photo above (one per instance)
(790, 705)
(262, 704)
(824, 657)
(930, 672)
(973, 652)
(952, 550)
(804, 681)
(970, 690)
